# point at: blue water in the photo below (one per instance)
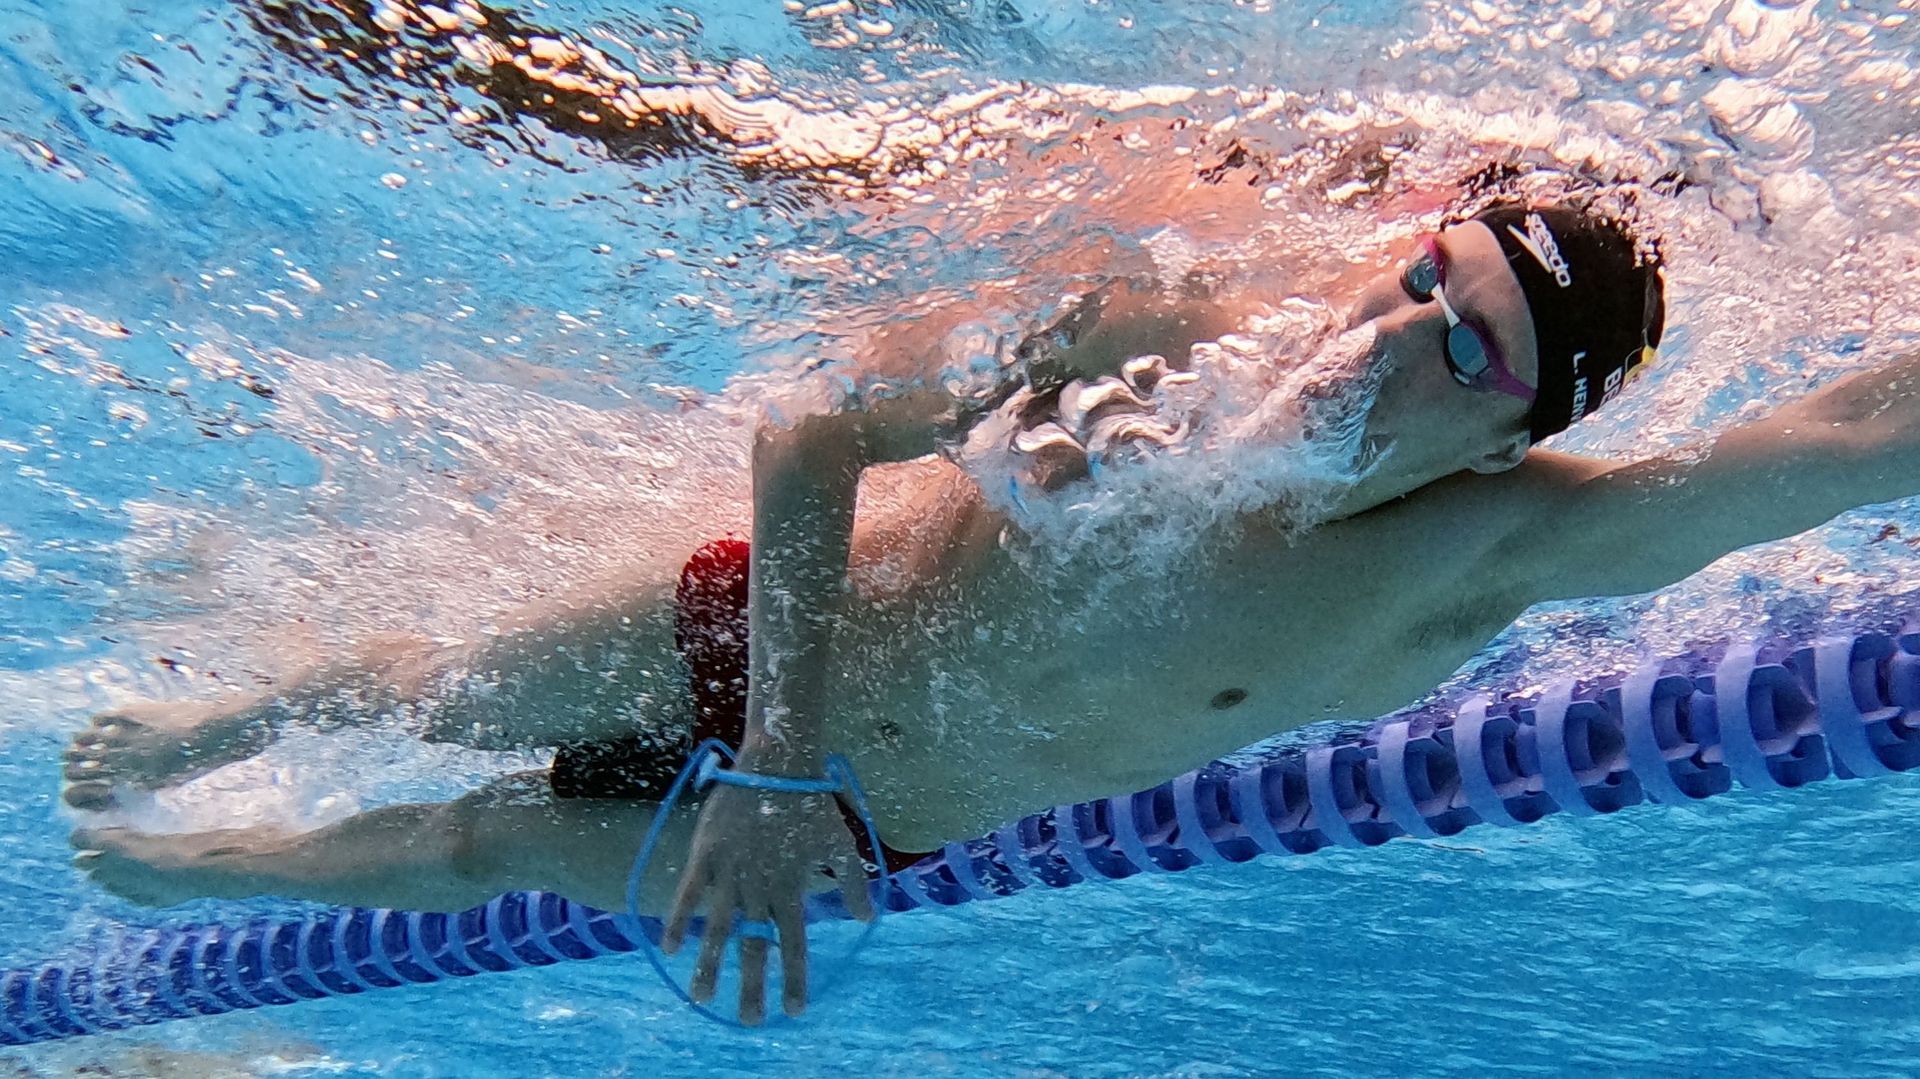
(288, 333)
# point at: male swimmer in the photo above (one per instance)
(1426, 527)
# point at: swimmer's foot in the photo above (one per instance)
(162, 870)
(159, 744)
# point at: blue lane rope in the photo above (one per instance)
(701, 770)
(1772, 717)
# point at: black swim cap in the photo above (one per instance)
(1598, 304)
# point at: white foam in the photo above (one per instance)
(1270, 418)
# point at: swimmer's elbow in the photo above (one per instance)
(806, 488)
(815, 449)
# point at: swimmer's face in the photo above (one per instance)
(1429, 424)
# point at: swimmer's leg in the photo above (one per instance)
(594, 666)
(159, 743)
(512, 835)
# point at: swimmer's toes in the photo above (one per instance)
(91, 797)
(156, 745)
(163, 870)
(118, 850)
(89, 784)
(115, 747)
(124, 877)
(92, 841)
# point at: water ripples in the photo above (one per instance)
(306, 300)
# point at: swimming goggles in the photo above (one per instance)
(1472, 357)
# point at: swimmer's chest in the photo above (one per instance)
(1105, 688)
(1345, 623)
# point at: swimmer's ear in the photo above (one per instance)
(1502, 456)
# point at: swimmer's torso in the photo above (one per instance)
(968, 686)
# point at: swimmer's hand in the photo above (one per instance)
(754, 856)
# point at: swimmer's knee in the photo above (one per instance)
(476, 848)
(470, 859)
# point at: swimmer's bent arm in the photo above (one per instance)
(1120, 320)
(1596, 529)
(805, 482)
(755, 852)
(805, 477)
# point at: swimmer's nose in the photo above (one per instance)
(1380, 298)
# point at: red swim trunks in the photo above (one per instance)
(710, 633)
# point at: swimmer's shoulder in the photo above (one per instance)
(1478, 527)
(1544, 483)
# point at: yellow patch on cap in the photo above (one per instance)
(1648, 356)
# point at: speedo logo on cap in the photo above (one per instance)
(1541, 244)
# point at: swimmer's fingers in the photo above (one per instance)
(686, 899)
(791, 920)
(849, 868)
(772, 909)
(851, 871)
(753, 968)
(713, 942)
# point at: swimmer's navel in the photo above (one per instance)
(1227, 698)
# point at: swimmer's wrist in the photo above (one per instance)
(780, 762)
(782, 750)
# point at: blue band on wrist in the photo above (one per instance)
(710, 772)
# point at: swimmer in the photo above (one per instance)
(910, 638)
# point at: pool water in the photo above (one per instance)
(306, 301)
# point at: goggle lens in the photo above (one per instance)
(1420, 278)
(1470, 356)
(1466, 354)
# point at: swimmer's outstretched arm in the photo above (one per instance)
(1603, 530)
